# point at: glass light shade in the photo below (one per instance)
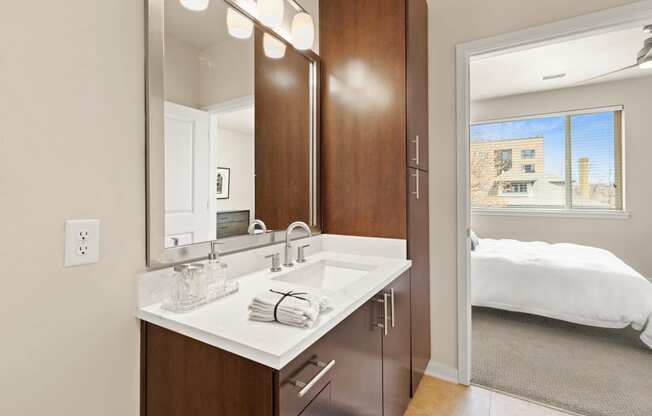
(238, 25)
(303, 31)
(270, 12)
(195, 5)
(273, 47)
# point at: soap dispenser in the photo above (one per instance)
(215, 270)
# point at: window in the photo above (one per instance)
(528, 154)
(515, 188)
(503, 161)
(577, 157)
(528, 168)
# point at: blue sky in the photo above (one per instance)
(592, 137)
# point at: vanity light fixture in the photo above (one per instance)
(195, 5)
(273, 47)
(303, 31)
(270, 12)
(238, 25)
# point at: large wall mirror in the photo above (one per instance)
(232, 129)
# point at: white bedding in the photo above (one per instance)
(574, 283)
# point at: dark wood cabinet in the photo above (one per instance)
(321, 404)
(417, 84)
(375, 135)
(362, 46)
(282, 145)
(361, 367)
(396, 348)
(418, 246)
(358, 374)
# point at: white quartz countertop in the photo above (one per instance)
(225, 323)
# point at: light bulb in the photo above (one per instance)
(238, 25)
(303, 31)
(273, 47)
(195, 5)
(270, 12)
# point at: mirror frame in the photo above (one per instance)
(157, 255)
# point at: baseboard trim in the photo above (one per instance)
(442, 372)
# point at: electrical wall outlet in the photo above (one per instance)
(82, 242)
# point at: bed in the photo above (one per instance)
(570, 282)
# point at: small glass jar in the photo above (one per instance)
(188, 286)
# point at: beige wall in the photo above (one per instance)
(71, 146)
(629, 239)
(452, 22)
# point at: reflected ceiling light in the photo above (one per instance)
(195, 5)
(270, 12)
(303, 31)
(273, 47)
(238, 25)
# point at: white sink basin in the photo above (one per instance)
(327, 275)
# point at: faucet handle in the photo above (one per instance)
(301, 256)
(276, 262)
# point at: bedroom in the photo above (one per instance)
(559, 193)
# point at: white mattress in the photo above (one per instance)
(579, 284)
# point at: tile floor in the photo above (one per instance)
(439, 398)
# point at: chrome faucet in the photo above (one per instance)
(288, 245)
(254, 223)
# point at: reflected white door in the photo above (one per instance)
(187, 173)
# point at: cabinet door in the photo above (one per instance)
(356, 344)
(321, 404)
(419, 253)
(417, 83)
(396, 348)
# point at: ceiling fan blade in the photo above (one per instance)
(608, 73)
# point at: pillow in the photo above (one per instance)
(475, 241)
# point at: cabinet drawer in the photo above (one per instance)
(321, 404)
(304, 378)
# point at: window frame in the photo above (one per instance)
(532, 169)
(619, 212)
(532, 152)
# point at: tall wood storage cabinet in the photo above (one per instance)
(374, 143)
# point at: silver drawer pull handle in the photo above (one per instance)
(416, 176)
(305, 387)
(392, 297)
(416, 144)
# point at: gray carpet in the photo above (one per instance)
(590, 371)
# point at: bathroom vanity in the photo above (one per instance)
(238, 122)
(355, 360)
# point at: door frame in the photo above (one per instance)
(594, 23)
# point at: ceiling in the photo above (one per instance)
(240, 121)
(199, 29)
(522, 71)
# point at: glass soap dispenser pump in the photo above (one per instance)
(215, 270)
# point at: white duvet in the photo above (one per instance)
(579, 284)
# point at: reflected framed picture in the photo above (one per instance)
(223, 183)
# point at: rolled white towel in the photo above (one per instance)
(294, 308)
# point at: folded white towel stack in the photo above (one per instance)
(296, 308)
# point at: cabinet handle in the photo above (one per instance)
(384, 301)
(305, 387)
(416, 145)
(416, 175)
(391, 294)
